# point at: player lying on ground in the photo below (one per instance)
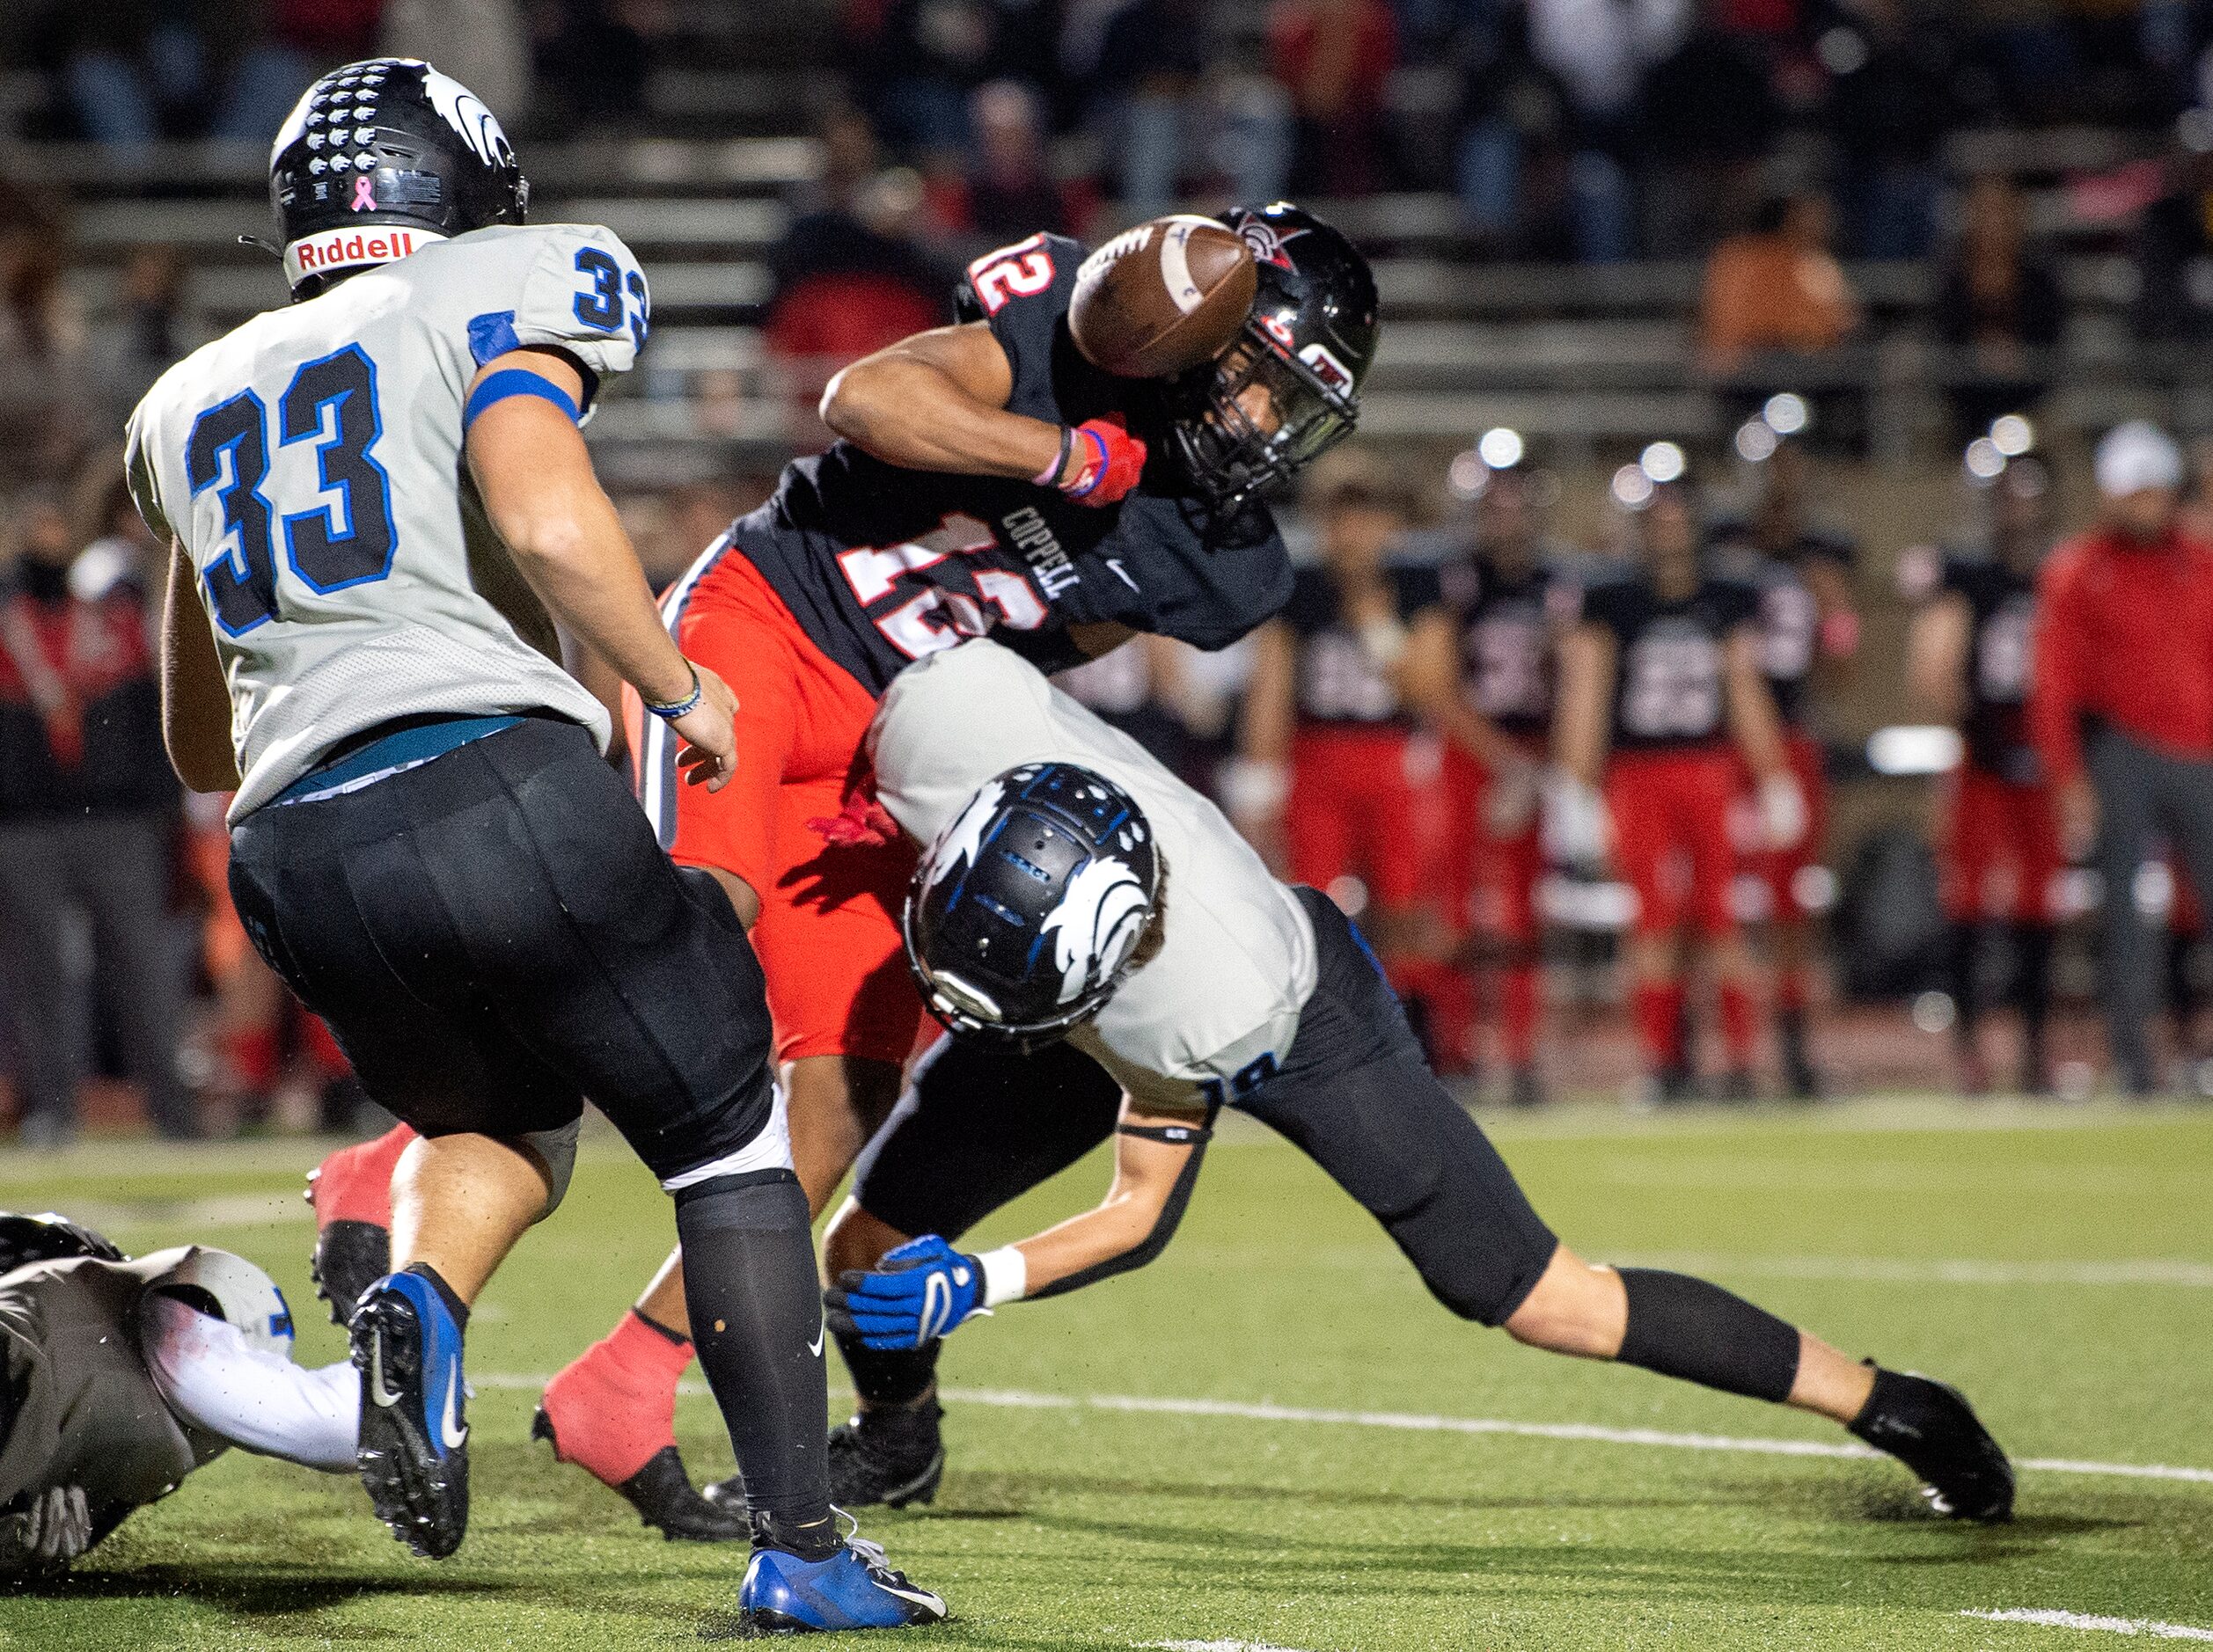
(427, 844)
(993, 475)
(120, 1377)
(1076, 891)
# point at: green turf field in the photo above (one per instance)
(2057, 1264)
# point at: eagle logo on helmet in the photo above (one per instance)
(464, 112)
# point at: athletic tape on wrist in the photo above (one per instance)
(1006, 1276)
(516, 380)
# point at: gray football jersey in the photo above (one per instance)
(1236, 962)
(310, 462)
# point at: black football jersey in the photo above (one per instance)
(2002, 604)
(1507, 663)
(1790, 619)
(1337, 682)
(883, 564)
(1669, 659)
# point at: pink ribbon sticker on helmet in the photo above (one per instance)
(365, 195)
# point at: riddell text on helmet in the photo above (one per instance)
(331, 249)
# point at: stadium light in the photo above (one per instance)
(2012, 435)
(1663, 462)
(1467, 475)
(1501, 448)
(1786, 413)
(1632, 487)
(1985, 460)
(1757, 441)
(1914, 748)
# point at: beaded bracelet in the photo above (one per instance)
(684, 707)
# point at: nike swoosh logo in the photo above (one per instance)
(450, 1429)
(378, 1395)
(821, 1330)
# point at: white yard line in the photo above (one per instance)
(1028, 1400)
(2147, 1270)
(2086, 1620)
(1212, 1646)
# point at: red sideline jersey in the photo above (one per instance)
(2124, 632)
(1672, 777)
(1365, 799)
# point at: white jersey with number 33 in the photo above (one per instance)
(310, 463)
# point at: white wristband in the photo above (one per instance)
(1006, 1276)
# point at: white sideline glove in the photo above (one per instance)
(55, 1529)
(1576, 829)
(1781, 811)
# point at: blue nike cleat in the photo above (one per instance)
(413, 1452)
(855, 1588)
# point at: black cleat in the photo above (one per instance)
(1929, 1426)
(413, 1450)
(663, 1495)
(1738, 1086)
(1526, 1088)
(887, 1457)
(349, 1257)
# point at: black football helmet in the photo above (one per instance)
(1288, 385)
(24, 1239)
(380, 158)
(1023, 914)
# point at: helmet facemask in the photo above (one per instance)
(1256, 414)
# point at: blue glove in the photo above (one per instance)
(918, 1293)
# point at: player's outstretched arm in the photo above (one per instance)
(546, 503)
(195, 704)
(214, 1379)
(937, 401)
(925, 1288)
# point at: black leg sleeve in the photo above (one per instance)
(1682, 1326)
(756, 1304)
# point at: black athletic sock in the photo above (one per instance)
(1960, 952)
(1683, 1327)
(454, 1305)
(2033, 993)
(887, 1378)
(756, 1308)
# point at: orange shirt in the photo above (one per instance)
(1763, 292)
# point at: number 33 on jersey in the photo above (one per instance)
(311, 464)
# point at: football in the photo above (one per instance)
(1162, 297)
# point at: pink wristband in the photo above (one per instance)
(1050, 477)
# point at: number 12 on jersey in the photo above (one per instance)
(331, 544)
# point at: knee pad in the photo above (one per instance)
(556, 1151)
